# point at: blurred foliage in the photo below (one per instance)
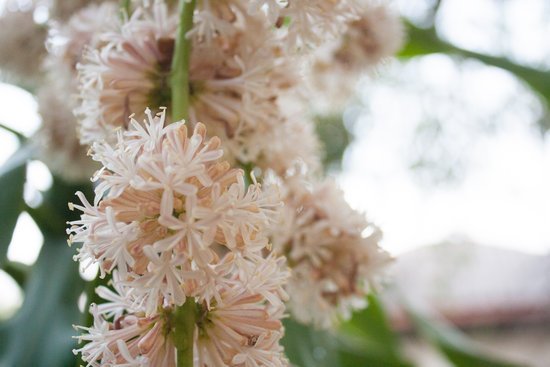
(455, 346)
(12, 180)
(425, 41)
(365, 340)
(334, 137)
(40, 334)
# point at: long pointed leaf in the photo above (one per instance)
(40, 333)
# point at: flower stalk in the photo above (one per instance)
(179, 84)
(185, 318)
(179, 80)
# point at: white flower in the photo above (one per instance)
(130, 340)
(334, 262)
(61, 148)
(22, 42)
(242, 330)
(311, 22)
(165, 207)
(237, 74)
(373, 37)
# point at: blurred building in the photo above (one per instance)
(500, 298)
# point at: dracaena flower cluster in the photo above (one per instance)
(237, 74)
(333, 251)
(175, 219)
(175, 222)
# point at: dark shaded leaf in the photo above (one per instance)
(307, 347)
(371, 332)
(366, 340)
(334, 137)
(18, 271)
(40, 333)
(12, 181)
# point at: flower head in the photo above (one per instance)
(166, 210)
(22, 42)
(237, 74)
(173, 224)
(332, 250)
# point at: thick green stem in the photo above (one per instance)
(185, 315)
(185, 319)
(179, 80)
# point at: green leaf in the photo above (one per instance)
(334, 137)
(370, 331)
(52, 215)
(12, 181)
(365, 340)
(307, 347)
(455, 346)
(40, 334)
(18, 271)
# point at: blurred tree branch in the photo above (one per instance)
(425, 41)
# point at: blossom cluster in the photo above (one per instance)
(333, 251)
(172, 223)
(225, 214)
(237, 74)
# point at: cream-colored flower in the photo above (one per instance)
(60, 144)
(240, 328)
(244, 328)
(132, 339)
(165, 207)
(333, 252)
(84, 28)
(22, 42)
(236, 77)
(310, 22)
(368, 41)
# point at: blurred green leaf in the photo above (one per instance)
(40, 333)
(455, 346)
(18, 271)
(365, 340)
(307, 347)
(371, 331)
(334, 137)
(12, 181)
(52, 215)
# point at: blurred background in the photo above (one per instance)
(447, 149)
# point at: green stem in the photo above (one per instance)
(179, 80)
(185, 319)
(185, 315)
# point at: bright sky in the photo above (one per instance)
(502, 197)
